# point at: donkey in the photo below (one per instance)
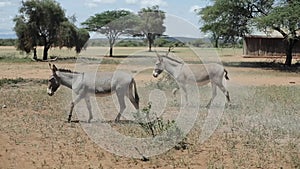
(203, 74)
(101, 84)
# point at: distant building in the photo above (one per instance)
(264, 46)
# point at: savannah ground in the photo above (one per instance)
(258, 129)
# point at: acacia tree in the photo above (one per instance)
(226, 19)
(112, 24)
(70, 36)
(41, 22)
(235, 18)
(151, 23)
(285, 19)
(217, 29)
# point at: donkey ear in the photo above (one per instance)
(158, 56)
(54, 68)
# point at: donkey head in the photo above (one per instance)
(158, 67)
(54, 81)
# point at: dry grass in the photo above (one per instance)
(34, 133)
(259, 129)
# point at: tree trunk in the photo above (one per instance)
(34, 54)
(289, 52)
(216, 45)
(45, 54)
(110, 51)
(150, 38)
(215, 40)
(150, 45)
(289, 57)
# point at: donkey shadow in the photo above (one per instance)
(103, 121)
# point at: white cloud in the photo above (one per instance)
(5, 3)
(104, 1)
(126, 9)
(148, 3)
(96, 3)
(132, 2)
(194, 8)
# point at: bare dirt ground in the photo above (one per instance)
(240, 76)
(34, 134)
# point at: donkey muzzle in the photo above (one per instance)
(50, 93)
(156, 72)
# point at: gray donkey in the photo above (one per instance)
(100, 84)
(203, 74)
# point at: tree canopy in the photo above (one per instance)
(151, 23)
(112, 24)
(226, 19)
(284, 18)
(43, 22)
(231, 19)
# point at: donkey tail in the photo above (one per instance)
(226, 74)
(136, 96)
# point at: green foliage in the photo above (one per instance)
(71, 36)
(10, 81)
(152, 19)
(151, 23)
(283, 18)
(81, 39)
(8, 42)
(226, 19)
(164, 42)
(130, 43)
(39, 22)
(15, 60)
(152, 125)
(230, 19)
(155, 126)
(43, 22)
(112, 24)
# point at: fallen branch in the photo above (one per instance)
(41, 60)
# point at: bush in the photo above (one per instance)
(155, 126)
(130, 43)
(164, 42)
(8, 42)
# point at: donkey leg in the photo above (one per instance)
(213, 95)
(225, 91)
(185, 100)
(70, 113)
(121, 99)
(133, 101)
(73, 103)
(89, 106)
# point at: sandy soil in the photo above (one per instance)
(47, 142)
(238, 75)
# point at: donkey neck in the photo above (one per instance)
(173, 66)
(68, 78)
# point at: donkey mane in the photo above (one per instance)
(172, 59)
(67, 70)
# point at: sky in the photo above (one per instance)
(181, 17)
